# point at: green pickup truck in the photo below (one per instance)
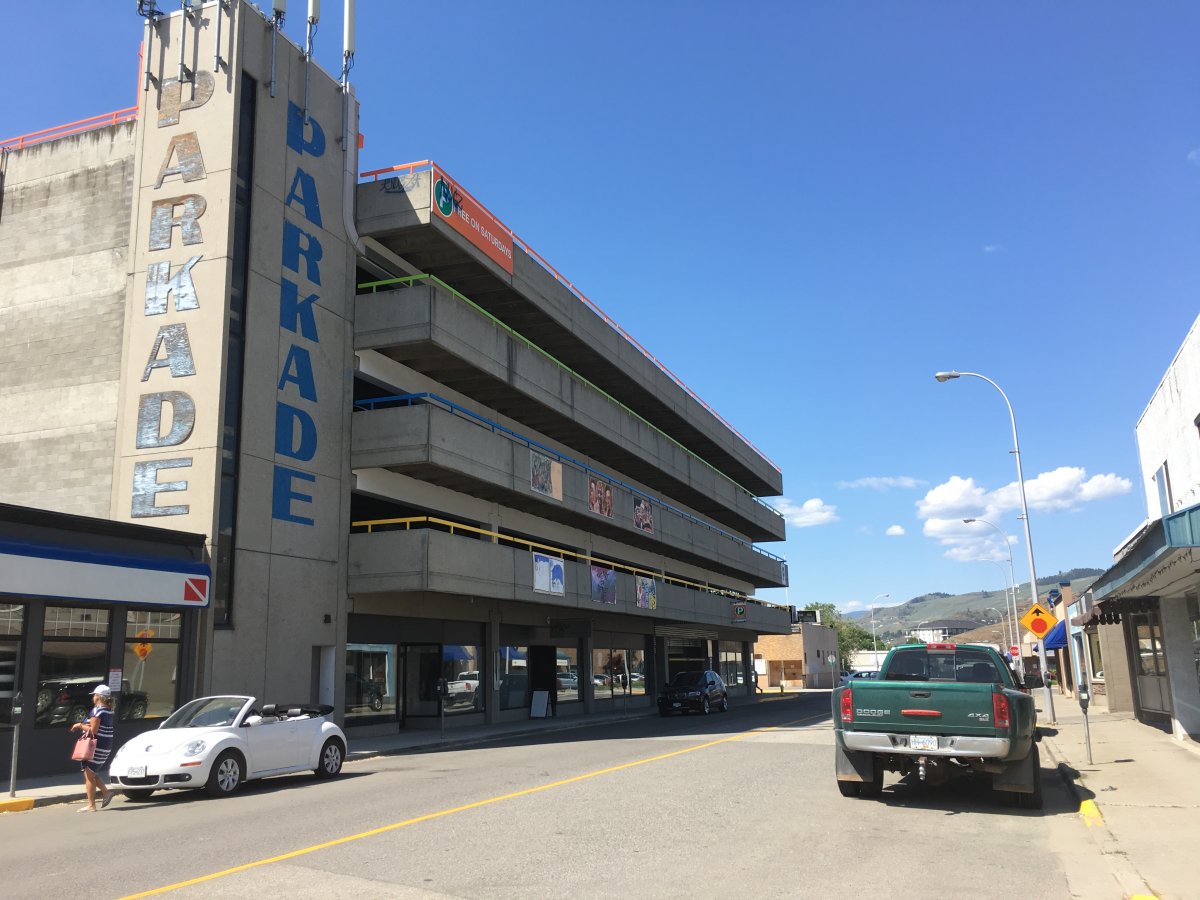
(941, 711)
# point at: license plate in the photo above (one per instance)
(922, 742)
(136, 772)
(676, 705)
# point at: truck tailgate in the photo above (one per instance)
(916, 706)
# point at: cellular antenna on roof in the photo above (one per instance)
(148, 11)
(314, 13)
(277, 16)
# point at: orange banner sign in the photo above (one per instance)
(471, 220)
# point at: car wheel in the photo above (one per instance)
(43, 700)
(1033, 800)
(848, 788)
(226, 774)
(725, 703)
(330, 762)
(704, 706)
(663, 711)
(138, 794)
(77, 715)
(138, 709)
(377, 702)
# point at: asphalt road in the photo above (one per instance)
(734, 804)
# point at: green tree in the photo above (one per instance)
(851, 637)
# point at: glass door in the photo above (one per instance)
(422, 669)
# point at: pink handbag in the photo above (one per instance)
(84, 748)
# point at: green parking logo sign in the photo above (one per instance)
(444, 198)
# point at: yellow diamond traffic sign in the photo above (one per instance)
(1039, 620)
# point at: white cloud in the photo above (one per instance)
(945, 506)
(956, 498)
(1194, 157)
(883, 483)
(809, 513)
(994, 248)
(895, 531)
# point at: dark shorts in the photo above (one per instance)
(95, 767)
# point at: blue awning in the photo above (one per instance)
(1056, 639)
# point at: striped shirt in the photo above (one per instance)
(104, 735)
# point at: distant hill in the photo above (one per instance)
(893, 622)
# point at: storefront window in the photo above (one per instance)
(462, 667)
(1149, 644)
(514, 678)
(151, 664)
(1097, 658)
(618, 672)
(74, 660)
(370, 683)
(566, 673)
(12, 626)
(731, 663)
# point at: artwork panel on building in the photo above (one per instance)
(545, 475)
(600, 496)
(548, 574)
(646, 592)
(643, 514)
(604, 585)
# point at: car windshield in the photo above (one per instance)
(687, 679)
(206, 712)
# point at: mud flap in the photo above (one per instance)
(852, 765)
(1017, 777)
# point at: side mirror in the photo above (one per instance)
(251, 721)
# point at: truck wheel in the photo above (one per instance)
(1033, 800)
(849, 788)
(873, 788)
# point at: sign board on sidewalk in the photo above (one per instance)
(539, 707)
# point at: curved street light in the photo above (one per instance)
(1016, 451)
(1012, 578)
(875, 646)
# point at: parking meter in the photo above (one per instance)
(440, 687)
(16, 708)
(1084, 696)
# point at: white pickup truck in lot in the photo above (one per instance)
(463, 690)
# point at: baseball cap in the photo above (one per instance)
(103, 690)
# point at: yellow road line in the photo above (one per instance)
(1091, 814)
(457, 809)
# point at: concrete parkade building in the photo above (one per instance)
(418, 457)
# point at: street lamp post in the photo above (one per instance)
(874, 645)
(1016, 451)
(1012, 580)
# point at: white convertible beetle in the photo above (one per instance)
(216, 743)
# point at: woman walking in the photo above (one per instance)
(100, 726)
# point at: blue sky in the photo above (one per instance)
(805, 209)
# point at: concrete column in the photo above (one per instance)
(491, 646)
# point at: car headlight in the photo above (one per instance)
(693, 693)
(195, 748)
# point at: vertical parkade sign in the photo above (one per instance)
(293, 266)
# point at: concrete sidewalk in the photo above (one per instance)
(1139, 796)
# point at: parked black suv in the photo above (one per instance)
(70, 700)
(361, 692)
(700, 691)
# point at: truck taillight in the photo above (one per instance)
(1000, 711)
(848, 705)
